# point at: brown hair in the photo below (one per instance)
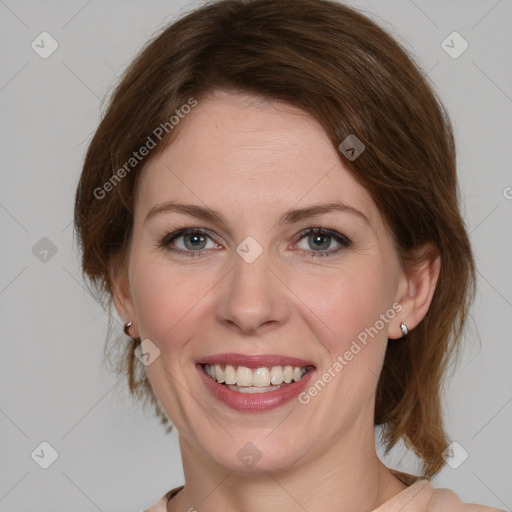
(354, 78)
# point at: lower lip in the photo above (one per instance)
(253, 402)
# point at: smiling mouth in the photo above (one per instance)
(255, 380)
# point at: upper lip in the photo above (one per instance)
(255, 361)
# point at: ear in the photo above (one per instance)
(416, 289)
(121, 293)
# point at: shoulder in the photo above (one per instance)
(421, 496)
(161, 504)
(445, 500)
(436, 500)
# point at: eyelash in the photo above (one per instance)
(344, 242)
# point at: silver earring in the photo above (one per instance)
(404, 329)
(127, 328)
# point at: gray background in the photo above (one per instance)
(112, 456)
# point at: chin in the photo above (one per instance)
(257, 453)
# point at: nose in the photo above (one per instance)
(254, 298)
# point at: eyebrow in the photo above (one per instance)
(288, 217)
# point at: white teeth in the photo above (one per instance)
(297, 373)
(276, 375)
(262, 379)
(229, 375)
(219, 374)
(243, 376)
(253, 389)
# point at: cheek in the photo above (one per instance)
(353, 301)
(169, 305)
(166, 299)
(350, 304)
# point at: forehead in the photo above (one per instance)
(237, 151)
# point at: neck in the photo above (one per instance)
(348, 476)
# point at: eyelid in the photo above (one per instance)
(340, 238)
(167, 238)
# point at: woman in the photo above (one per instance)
(270, 202)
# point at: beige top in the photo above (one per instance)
(419, 496)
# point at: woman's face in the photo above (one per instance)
(255, 286)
